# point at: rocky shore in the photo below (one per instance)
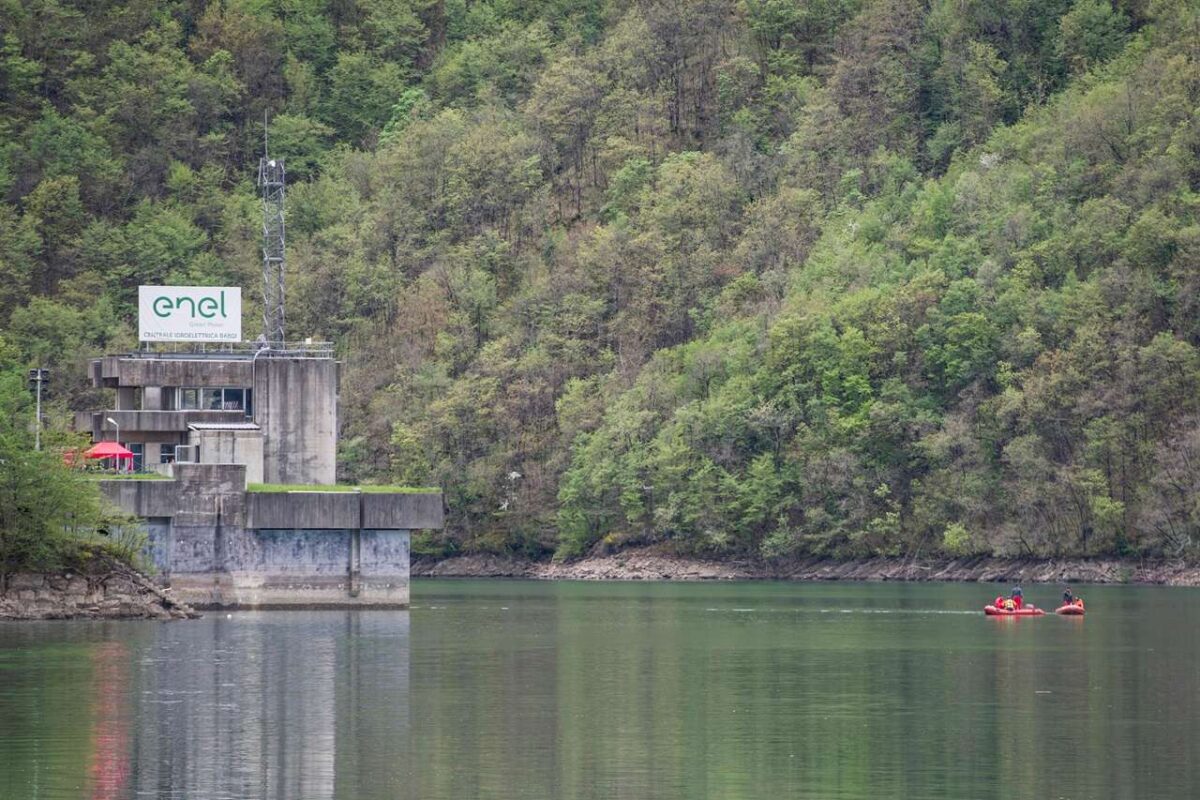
(107, 589)
(651, 564)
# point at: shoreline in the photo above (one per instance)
(649, 564)
(105, 589)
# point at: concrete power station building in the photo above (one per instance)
(243, 437)
(274, 412)
(244, 512)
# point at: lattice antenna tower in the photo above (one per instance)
(271, 179)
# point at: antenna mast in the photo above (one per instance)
(271, 181)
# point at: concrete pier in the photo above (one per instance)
(218, 546)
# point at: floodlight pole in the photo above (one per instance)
(272, 181)
(37, 377)
(37, 430)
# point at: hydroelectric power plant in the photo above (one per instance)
(240, 439)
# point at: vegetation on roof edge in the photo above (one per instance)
(280, 488)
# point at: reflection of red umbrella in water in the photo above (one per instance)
(109, 450)
(110, 764)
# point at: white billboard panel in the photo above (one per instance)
(189, 313)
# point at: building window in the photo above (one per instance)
(139, 452)
(166, 454)
(224, 398)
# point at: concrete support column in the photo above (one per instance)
(355, 561)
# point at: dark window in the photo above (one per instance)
(139, 450)
(234, 399)
(226, 398)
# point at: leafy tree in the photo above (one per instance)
(46, 507)
(1091, 32)
(300, 142)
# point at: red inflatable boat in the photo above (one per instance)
(1027, 611)
(1070, 610)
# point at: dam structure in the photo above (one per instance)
(234, 464)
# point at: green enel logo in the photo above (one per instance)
(206, 307)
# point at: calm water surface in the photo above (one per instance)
(536, 690)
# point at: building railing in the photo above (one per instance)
(303, 349)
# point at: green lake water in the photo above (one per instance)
(578, 690)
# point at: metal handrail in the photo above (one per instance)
(304, 349)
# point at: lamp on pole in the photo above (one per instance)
(118, 439)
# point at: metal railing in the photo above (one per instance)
(304, 349)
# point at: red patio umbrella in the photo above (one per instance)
(108, 450)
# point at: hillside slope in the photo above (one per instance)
(740, 276)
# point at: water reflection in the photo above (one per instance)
(282, 706)
(521, 690)
(111, 735)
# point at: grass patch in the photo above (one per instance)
(281, 488)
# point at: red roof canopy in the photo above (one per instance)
(108, 450)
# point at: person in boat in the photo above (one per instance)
(1009, 604)
(1017, 598)
(1068, 597)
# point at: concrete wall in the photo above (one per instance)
(232, 447)
(319, 568)
(158, 548)
(290, 568)
(295, 404)
(132, 422)
(167, 371)
(422, 511)
(143, 498)
(152, 398)
(127, 399)
(302, 510)
(384, 562)
(217, 545)
(325, 510)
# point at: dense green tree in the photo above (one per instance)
(46, 507)
(732, 276)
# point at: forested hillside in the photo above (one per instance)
(748, 277)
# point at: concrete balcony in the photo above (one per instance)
(169, 370)
(150, 421)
